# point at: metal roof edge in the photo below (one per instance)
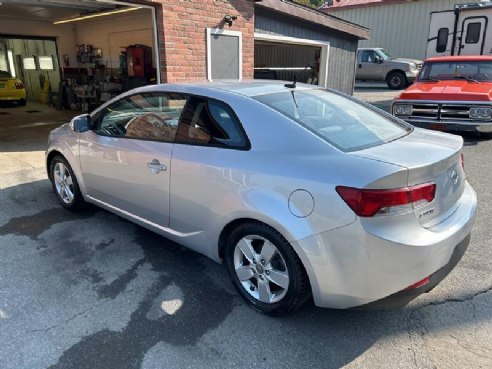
(333, 9)
(294, 9)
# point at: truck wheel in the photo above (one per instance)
(396, 80)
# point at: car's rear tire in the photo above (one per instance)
(265, 269)
(65, 184)
(396, 80)
(22, 102)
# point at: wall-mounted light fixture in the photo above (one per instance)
(96, 15)
(228, 19)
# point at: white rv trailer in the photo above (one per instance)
(465, 30)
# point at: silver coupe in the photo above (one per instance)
(299, 190)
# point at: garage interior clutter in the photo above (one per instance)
(88, 61)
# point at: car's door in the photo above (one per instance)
(126, 157)
(367, 68)
(209, 150)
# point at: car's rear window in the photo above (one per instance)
(339, 120)
(4, 74)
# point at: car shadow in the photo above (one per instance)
(107, 283)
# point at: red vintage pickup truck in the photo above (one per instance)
(452, 93)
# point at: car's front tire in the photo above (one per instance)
(22, 102)
(265, 269)
(396, 80)
(65, 184)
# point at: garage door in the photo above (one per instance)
(286, 58)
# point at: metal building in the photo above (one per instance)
(400, 26)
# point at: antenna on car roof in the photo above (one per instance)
(291, 85)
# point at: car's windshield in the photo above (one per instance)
(473, 71)
(385, 55)
(342, 122)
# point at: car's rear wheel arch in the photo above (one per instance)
(249, 227)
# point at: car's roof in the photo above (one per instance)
(247, 88)
(458, 58)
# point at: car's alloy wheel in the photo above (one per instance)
(65, 184)
(265, 269)
(261, 269)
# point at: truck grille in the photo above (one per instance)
(444, 112)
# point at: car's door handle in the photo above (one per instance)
(360, 65)
(155, 166)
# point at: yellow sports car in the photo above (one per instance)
(11, 89)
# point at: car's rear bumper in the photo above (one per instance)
(351, 266)
(403, 297)
(12, 95)
(475, 126)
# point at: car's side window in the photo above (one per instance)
(368, 56)
(145, 116)
(210, 123)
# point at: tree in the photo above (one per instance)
(311, 3)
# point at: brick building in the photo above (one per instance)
(184, 40)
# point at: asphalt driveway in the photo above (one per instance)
(91, 290)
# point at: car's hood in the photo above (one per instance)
(405, 60)
(455, 90)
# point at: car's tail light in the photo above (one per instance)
(19, 85)
(367, 203)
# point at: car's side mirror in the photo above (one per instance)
(81, 123)
(378, 60)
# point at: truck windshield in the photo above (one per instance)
(385, 55)
(339, 120)
(472, 71)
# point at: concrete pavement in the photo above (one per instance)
(91, 290)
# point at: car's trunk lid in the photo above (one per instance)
(428, 157)
(7, 82)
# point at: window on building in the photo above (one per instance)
(46, 63)
(210, 123)
(29, 63)
(473, 32)
(442, 40)
(224, 54)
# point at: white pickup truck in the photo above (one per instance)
(376, 64)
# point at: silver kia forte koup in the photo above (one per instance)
(299, 190)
